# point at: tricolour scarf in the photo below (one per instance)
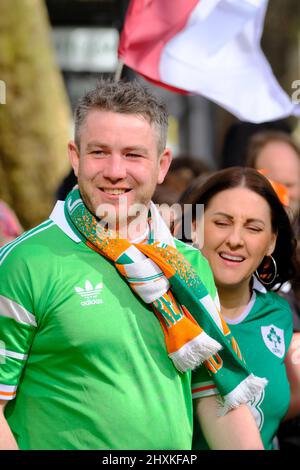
(194, 329)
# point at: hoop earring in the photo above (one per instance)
(264, 277)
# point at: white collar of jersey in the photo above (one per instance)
(258, 286)
(160, 229)
(59, 218)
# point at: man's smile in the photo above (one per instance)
(114, 191)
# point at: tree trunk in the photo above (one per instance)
(35, 119)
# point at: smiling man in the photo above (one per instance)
(97, 352)
(122, 163)
(119, 171)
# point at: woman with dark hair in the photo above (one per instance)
(248, 240)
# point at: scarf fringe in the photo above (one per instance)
(248, 389)
(195, 352)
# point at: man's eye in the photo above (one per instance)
(134, 155)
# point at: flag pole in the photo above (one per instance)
(119, 70)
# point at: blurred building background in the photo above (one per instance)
(86, 38)
(86, 35)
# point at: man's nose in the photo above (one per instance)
(115, 168)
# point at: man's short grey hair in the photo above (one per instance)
(125, 97)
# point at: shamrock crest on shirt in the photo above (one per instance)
(274, 339)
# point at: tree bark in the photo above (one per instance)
(35, 119)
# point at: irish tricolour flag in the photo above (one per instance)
(207, 47)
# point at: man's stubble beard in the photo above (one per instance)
(129, 221)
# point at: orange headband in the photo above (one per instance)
(279, 188)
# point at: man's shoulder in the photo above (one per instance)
(200, 265)
(190, 252)
(34, 242)
(184, 247)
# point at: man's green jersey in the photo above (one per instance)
(263, 332)
(83, 359)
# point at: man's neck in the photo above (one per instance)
(134, 231)
(141, 237)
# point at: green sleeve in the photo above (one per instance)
(17, 320)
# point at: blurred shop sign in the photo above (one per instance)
(86, 49)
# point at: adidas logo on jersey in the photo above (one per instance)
(89, 293)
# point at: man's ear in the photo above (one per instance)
(73, 153)
(164, 164)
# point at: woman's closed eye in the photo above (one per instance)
(222, 223)
(254, 228)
